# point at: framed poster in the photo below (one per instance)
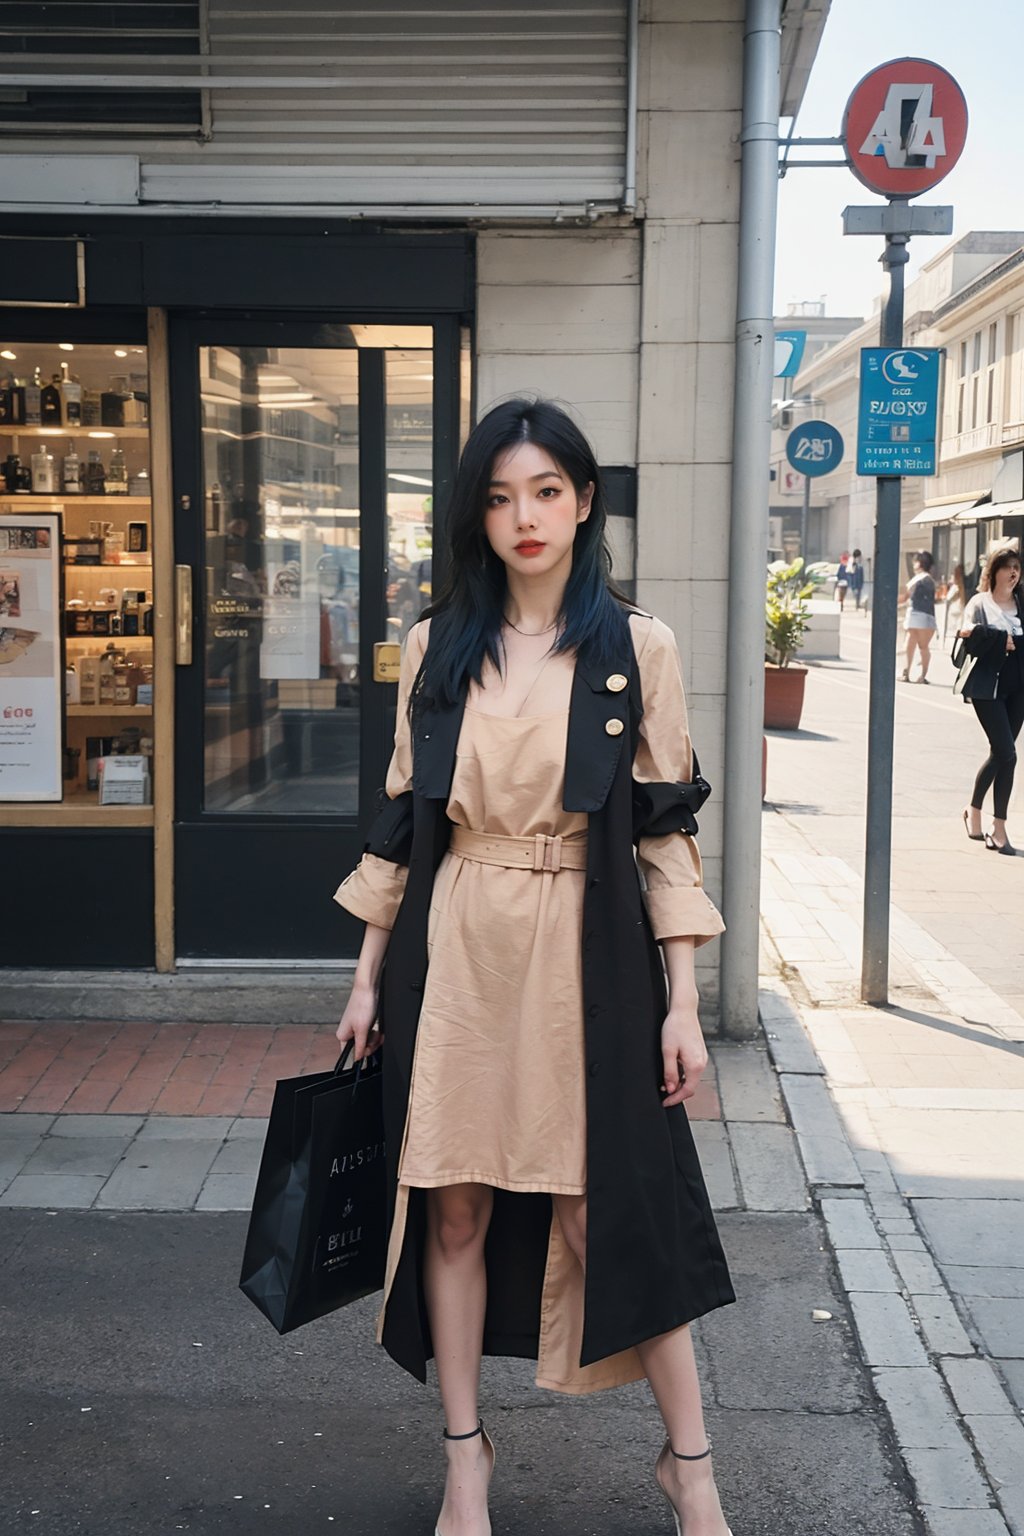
(31, 657)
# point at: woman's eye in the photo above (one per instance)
(495, 501)
(547, 491)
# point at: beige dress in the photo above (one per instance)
(498, 1092)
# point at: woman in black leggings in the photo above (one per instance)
(992, 677)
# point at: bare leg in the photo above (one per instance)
(924, 640)
(455, 1287)
(671, 1369)
(911, 648)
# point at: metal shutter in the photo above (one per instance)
(77, 37)
(405, 103)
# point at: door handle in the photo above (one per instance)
(387, 661)
(183, 615)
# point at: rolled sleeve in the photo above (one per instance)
(677, 904)
(373, 891)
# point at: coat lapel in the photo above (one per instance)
(435, 737)
(600, 728)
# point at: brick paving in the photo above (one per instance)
(90, 1068)
(95, 1068)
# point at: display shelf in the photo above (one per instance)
(99, 432)
(109, 711)
(34, 502)
(80, 809)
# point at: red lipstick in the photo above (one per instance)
(529, 547)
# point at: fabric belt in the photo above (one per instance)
(541, 853)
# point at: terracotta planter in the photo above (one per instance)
(783, 696)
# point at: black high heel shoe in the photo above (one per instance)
(975, 837)
(471, 1435)
(701, 1456)
(995, 847)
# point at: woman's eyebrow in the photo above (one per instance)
(545, 474)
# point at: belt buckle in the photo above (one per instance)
(547, 853)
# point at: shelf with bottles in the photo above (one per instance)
(66, 474)
(107, 613)
(98, 433)
(89, 389)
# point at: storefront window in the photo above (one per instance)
(75, 492)
(281, 484)
(409, 436)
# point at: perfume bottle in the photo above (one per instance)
(44, 479)
(117, 474)
(50, 413)
(71, 472)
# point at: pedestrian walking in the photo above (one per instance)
(919, 622)
(855, 577)
(547, 1199)
(991, 675)
(842, 579)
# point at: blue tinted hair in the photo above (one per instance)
(467, 616)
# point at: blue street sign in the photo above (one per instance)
(899, 409)
(789, 352)
(814, 448)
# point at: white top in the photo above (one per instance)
(983, 609)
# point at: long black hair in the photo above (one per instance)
(467, 616)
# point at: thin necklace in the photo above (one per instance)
(530, 634)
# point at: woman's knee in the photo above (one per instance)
(458, 1217)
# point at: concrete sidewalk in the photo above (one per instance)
(911, 1118)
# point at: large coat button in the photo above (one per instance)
(616, 682)
(614, 727)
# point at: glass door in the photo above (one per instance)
(304, 469)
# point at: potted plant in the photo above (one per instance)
(787, 614)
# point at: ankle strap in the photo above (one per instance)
(680, 1457)
(471, 1435)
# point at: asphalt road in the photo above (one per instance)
(144, 1394)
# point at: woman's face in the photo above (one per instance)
(1007, 576)
(533, 511)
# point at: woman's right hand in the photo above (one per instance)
(359, 1020)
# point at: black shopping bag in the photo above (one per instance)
(318, 1230)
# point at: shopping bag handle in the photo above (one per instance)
(370, 1063)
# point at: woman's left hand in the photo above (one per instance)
(684, 1054)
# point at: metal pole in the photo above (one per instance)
(805, 512)
(882, 700)
(748, 526)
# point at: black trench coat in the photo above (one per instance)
(654, 1259)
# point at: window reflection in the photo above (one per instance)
(281, 519)
(409, 384)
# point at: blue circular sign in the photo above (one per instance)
(814, 448)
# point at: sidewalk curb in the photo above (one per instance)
(957, 1431)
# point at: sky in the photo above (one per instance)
(982, 46)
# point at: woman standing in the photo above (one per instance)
(920, 620)
(547, 1200)
(992, 677)
(855, 576)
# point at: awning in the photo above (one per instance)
(1001, 509)
(945, 509)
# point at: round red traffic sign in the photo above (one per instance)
(905, 127)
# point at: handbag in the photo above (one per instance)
(318, 1230)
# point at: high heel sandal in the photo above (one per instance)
(701, 1456)
(995, 847)
(471, 1435)
(975, 837)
